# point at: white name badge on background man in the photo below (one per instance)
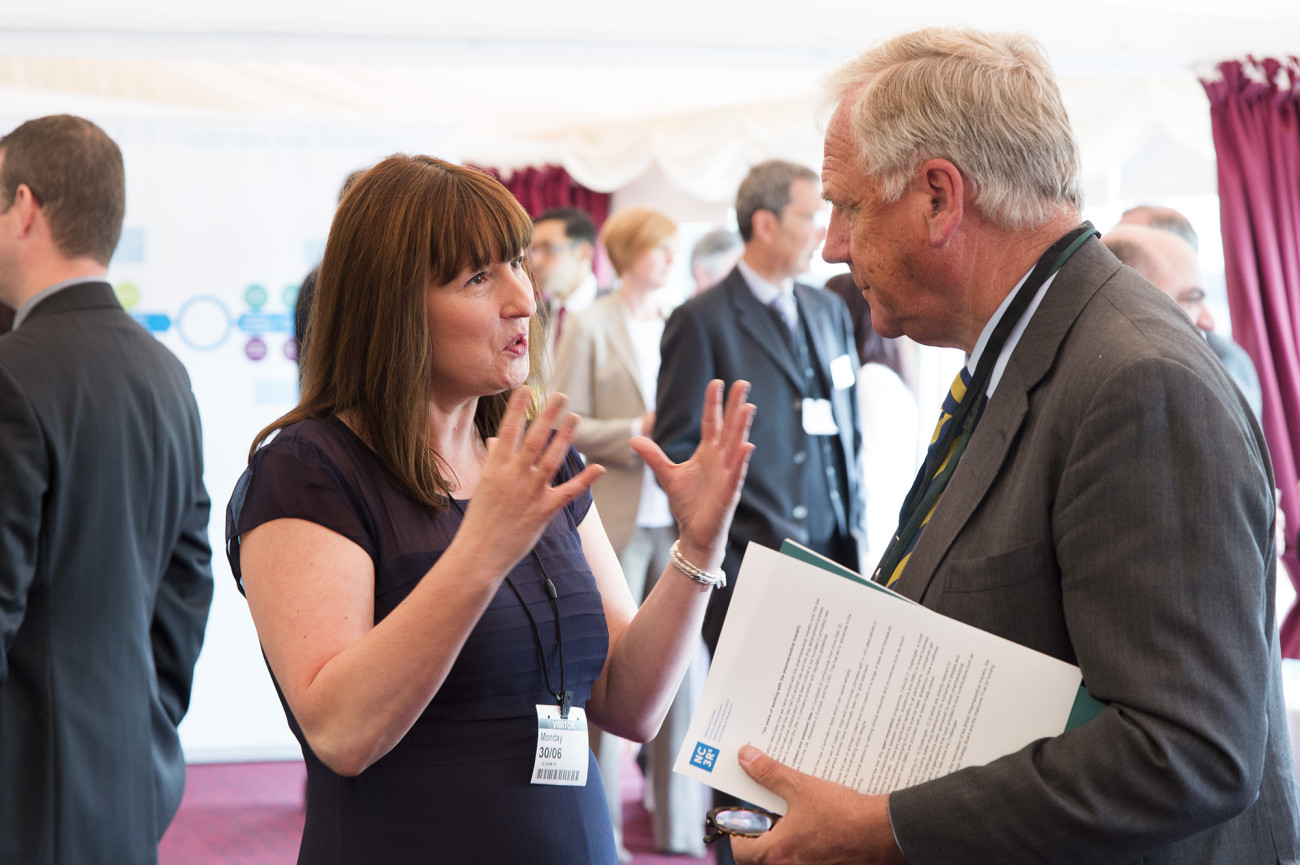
(842, 372)
(561, 747)
(818, 419)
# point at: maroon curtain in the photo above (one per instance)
(540, 189)
(1255, 114)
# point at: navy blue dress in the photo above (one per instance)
(457, 787)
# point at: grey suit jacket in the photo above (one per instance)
(105, 582)
(1114, 509)
(596, 366)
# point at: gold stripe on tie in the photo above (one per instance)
(950, 405)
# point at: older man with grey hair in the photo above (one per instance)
(1100, 492)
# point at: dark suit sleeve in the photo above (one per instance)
(24, 477)
(184, 597)
(685, 369)
(1162, 536)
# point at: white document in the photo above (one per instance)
(860, 686)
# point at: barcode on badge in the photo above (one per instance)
(557, 774)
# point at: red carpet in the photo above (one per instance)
(251, 814)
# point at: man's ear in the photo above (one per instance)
(945, 191)
(585, 251)
(27, 206)
(766, 225)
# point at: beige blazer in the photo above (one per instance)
(596, 366)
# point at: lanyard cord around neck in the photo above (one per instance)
(924, 494)
(563, 697)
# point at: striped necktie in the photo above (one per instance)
(925, 494)
(939, 467)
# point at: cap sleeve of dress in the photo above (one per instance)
(293, 477)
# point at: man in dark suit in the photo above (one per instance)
(105, 581)
(800, 358)
(1111, 508)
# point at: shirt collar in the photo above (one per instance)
(582, 296)
(1014, 337)
(765, 291)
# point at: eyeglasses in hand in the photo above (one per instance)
(743, 820)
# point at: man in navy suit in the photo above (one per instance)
(104, 560)
(795, 344)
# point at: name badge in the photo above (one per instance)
(842, 372)
(561, 747)
(818, 419)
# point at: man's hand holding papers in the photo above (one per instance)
(854, 684)
(793, 841)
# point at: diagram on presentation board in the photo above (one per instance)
(205, 323)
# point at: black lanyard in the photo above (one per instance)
(563, 697)
(924, 495)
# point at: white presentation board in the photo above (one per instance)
(224, 219)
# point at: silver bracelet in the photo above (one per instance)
(699, 575)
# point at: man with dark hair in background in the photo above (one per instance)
(564, 247)
(795, 344)
(105, 580)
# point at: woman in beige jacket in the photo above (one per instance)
(607, 362)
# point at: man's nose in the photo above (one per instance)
(836, 235)
(1201, 315)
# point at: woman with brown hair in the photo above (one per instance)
(434, 593)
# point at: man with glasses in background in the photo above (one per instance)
(564, 246)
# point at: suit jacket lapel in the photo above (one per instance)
(758, 324)
(979, 466)
(991, 444)
(821, 343)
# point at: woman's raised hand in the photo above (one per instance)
(514, 499)
(704, 490)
